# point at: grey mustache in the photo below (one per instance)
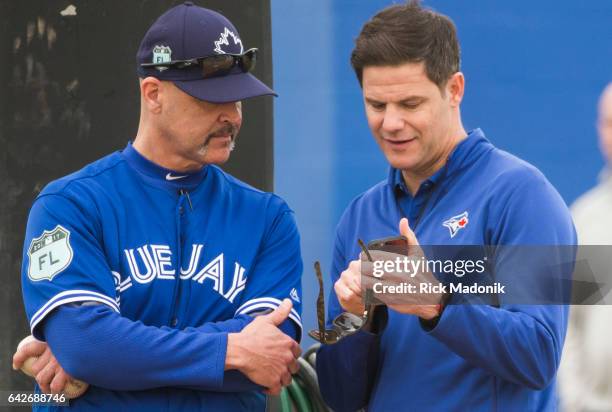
(224, 131)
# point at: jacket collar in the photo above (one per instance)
(160, 176)
(464, 154)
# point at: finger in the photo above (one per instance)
(275, 391)
(286, 379)
(28, 340)
(42, 361)
(349, 300)
(18, 359)
(58, 384)
(294, 367)
(295, 348)
(348, 288)
(423, 311)
(353, 304)
(406, 309)
(44, 378)
(28, 350)
(351, 278)
(354, 268)
(281, 313)
(405, 231)
(343, 291)
(355, 285)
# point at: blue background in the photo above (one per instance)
(534, 72)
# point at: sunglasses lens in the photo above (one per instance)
(217, 65)
(314, 333)
(222, 64)
(331, 336)
(248, 60)
(348, 323)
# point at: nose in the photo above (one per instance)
(393, 121)
(231, 113)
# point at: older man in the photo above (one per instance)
(446, 186)
(585, 378)
(146, 270)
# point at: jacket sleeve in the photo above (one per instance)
(99, 346)
(91, 341)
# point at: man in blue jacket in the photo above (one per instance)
(446, 186)
(145, 271)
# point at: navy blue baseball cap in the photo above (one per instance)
(188, 32)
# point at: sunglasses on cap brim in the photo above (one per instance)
(213, 66)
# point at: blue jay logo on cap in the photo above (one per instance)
(162, 54)
(224, 40)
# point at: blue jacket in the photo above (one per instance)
(174, 262)
(477, 357)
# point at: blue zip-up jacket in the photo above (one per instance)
(173, 263)
(477, 357)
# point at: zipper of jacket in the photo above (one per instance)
(179, 214)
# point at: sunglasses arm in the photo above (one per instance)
(375, 321)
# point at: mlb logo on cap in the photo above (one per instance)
(162, 54)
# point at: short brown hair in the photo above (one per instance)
(409, 33)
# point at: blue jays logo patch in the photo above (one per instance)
(456, 223)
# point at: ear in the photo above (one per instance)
(151, 94)
(455, 88)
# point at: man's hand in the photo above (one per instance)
(349, 286)
(35, 359)
(263, 353)
(348, 289)
(423, 311)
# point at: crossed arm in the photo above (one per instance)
(239, 354)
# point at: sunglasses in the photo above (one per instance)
(213, 66)
(346, 323)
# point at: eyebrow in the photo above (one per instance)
(373, 101)
(414, 99)
(409, 99)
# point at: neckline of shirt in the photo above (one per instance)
(161, 176)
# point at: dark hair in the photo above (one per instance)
(408, 33)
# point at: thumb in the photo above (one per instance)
(281, 313)
(404, 229)
(28, 347)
